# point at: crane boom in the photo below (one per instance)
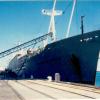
(24, 45)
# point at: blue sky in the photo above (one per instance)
(23, 21)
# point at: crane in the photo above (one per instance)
(25, 45)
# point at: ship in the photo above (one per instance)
(74, 58)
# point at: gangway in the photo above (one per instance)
(25, 45)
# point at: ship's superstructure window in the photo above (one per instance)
(81, 40)
(23, 67)
(48, 48)
(96, 36)
(89, 38)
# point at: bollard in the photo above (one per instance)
(31, 77)
(49, 78)
(57, 77)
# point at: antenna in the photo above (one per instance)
(70, 21)
(52, 13)
(82, 26)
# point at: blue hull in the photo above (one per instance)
(75, 60)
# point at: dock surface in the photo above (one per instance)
(45, 90)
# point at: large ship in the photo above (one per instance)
(74, 58)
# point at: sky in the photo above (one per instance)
(21, 21)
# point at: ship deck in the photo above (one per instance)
(46, 90)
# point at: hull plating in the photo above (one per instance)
(76, 61)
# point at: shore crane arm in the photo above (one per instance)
(24, 45)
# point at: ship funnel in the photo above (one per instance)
(52, 13)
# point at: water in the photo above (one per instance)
(97, 82)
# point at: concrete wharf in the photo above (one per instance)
(45, 90)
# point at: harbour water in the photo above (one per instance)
(97, 82)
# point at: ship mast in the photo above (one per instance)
(82, 26)
(70, 21)
(52, 13)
